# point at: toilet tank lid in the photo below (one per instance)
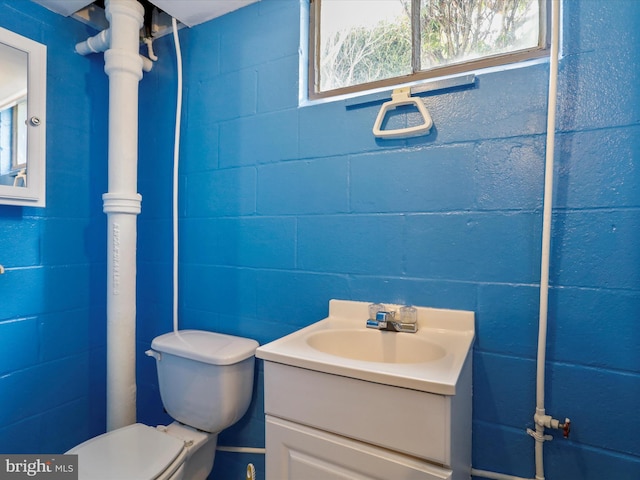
(207, 347)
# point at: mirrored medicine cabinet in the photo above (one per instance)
(23, 77)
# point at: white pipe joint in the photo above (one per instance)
(546, 421)
(101, 43)
(147, 64)
(97, 43)
(121, 203)
(117, 60)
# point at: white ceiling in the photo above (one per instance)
(64, 7)
(189, 12)
(194, 12)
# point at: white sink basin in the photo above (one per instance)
(375, 346)
(429, 360)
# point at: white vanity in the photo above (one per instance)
(343, 401)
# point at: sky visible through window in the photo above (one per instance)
(341, 14)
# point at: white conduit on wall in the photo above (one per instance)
(176, 168)
(124, 67)
(542, 420)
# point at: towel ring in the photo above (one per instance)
(400, 97)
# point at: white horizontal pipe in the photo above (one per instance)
(494, 475)
(101, 42)
(97, 43)
(147, 64)
(256, 450)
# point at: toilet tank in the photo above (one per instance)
(205, 378)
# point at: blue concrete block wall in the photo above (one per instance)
(285, 207)
(52, 368)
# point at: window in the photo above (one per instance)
(358, 45)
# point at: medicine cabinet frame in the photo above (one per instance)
(32, 188)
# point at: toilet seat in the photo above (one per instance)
(135, 452)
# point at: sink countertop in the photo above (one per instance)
(451, 330)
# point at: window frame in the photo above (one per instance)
(504, 59)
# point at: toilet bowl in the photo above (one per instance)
(206, 383)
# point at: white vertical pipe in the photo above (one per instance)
(546, 238)
(123, 65)
(495, 476)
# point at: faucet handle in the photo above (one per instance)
(378, 316)
(383, 317)
(408, 314)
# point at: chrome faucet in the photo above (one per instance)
(386, 320)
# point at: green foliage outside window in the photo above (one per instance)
(365, 41)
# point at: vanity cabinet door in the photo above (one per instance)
(298, 452)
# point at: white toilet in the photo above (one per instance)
(206, 382)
